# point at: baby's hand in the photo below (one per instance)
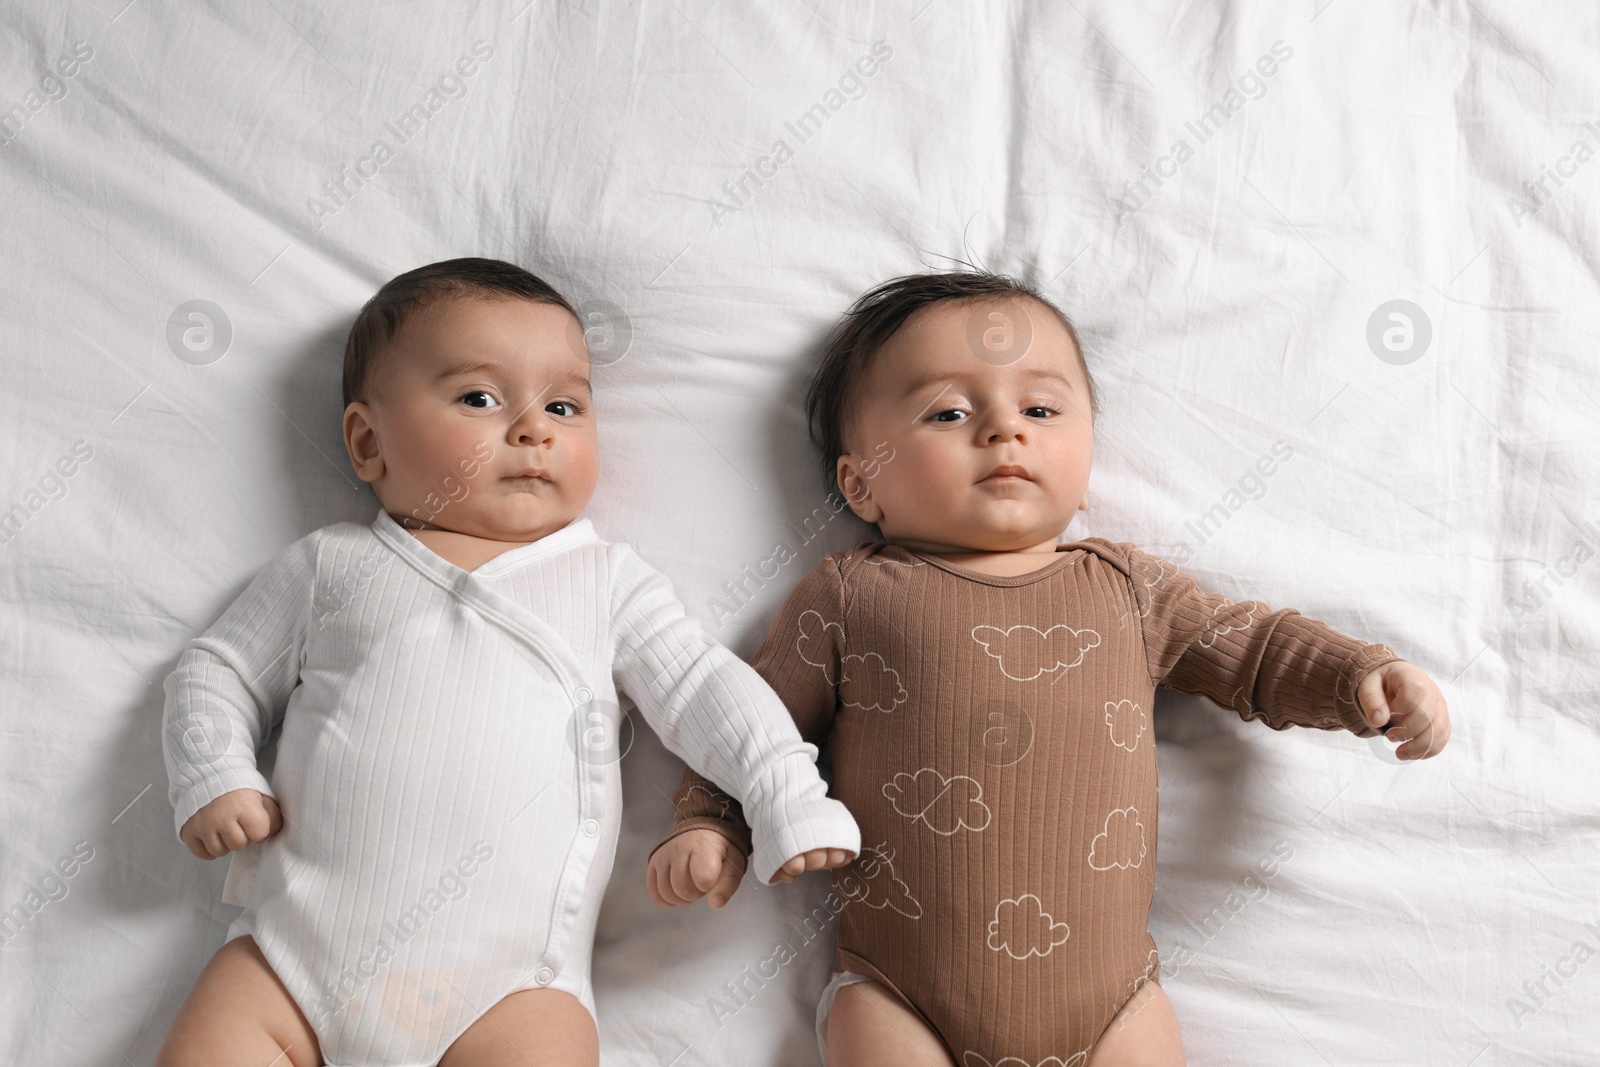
(230, 823)
(816, 860)
(696, 861)
(1402, 695)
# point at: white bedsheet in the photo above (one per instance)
(658, 158)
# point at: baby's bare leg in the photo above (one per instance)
(1144, 1034)
(529, 1028)
(869, 1026)
(239, 1015)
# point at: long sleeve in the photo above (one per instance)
(232, 683)
(801, 660)
(715, 712)
(1276, 666)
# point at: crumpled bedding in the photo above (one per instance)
(1334, 266)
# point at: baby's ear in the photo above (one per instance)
(857, 492)
(361, 442)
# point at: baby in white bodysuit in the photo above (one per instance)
(445, 800)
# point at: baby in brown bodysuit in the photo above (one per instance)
(985, 694)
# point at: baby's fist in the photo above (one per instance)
(230, 823)
(1399, 698)
(818, 859)
(692, 864)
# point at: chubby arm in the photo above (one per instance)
(800, 658)
(1279, 667)
(227, 693)
(717, 714)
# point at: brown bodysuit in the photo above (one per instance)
(992, 737)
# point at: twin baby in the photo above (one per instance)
(443, 811)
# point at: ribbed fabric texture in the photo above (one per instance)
(992, 737)
(448, 766)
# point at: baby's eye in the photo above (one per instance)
(1039, 411)
(568, 408)
(956, 415)
(467, 398)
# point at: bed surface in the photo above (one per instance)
(714, 183)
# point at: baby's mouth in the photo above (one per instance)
(1007, 472)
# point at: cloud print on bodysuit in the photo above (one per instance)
(882, 561)
(1022, 928)
(875, 685)
(944, 805)
(1126, 720)
(720, 798)
(1144, 596)
(811, 645)
(977, 1059)
(870, 879)
(1121, 843)
(1025, 652)
(1217, 626)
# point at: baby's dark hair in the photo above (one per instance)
(402, 296)
(876, 317)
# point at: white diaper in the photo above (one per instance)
(825, 1004)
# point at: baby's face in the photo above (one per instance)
(481, 420)
(950, 451)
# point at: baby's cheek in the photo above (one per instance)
(583, 464)
(440, 458)
(927, 472)
(917, 484)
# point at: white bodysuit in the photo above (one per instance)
(448, 766)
